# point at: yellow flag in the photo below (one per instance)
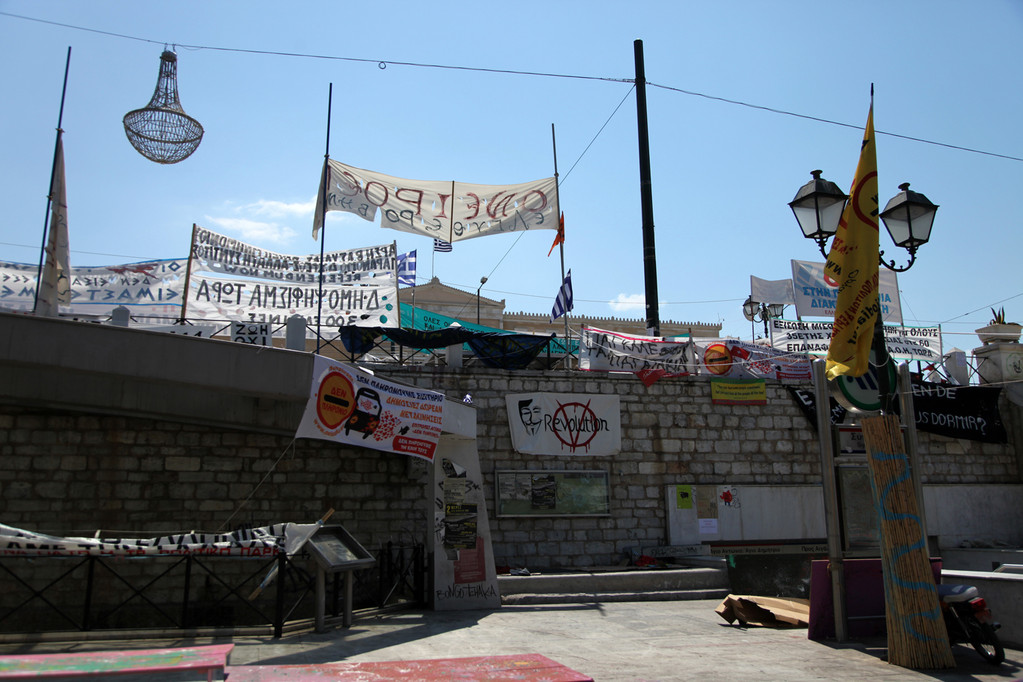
(852, 268)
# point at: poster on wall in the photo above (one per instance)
(349, 405)
(565, 423)
(552, 493)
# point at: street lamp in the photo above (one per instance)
(483, 280)
(755, 311)
(908, 216)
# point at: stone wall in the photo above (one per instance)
(70, 472)
(671, 434)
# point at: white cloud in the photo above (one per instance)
(628, 302)
(253, 231)
(281, 209)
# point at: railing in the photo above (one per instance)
(84, 594)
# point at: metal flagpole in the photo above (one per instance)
(557, 216)
(49, 193)
(323, 217)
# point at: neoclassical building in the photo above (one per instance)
(439, 298)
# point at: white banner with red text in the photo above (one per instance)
(743, 360)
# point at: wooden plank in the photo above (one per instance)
(524, 667)
(206, 659)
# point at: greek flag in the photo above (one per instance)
(563, 303)
(441, 245)
(407, 269)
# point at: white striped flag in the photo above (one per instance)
(441, 245)
(407, 269)
(563, 303)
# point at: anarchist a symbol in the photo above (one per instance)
(576, 425)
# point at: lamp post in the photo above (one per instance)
(483, 280)
(908, 217)
(755, 311)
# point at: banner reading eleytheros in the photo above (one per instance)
(565, 423)
(349, 405)
(451, 211)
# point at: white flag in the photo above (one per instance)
(55, 284)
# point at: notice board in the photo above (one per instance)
(552, 493)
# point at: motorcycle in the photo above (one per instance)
(969, 621)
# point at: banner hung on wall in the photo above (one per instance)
(605, 350)
(816, 296)
(351, 406)
(565, 423)
(735, 359)
(151, 290)
(245, 542)
(812, 338)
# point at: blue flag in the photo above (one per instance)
(407, 269)
(563, 303)
(441, 245)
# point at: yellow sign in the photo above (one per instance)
(738, 391)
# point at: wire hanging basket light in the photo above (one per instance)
(162, 131)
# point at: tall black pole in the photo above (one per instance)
(49, 191)
(323, 216)
(653, 321)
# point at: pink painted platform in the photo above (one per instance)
(203, 659)
(529, 667)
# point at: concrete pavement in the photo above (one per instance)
(611, 642)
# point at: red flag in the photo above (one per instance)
(560, 238)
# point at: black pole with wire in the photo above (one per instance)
(323, 217)
(653, 322)
(49, 191)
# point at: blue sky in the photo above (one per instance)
(745, 99)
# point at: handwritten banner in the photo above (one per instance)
(812, 338)
(349, 405)
(605, 350)
(565, 423)
(451, 211)
(216, 253)
(959, 411)
(149, 289)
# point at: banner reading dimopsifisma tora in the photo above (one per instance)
(352, 406)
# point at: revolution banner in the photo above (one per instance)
(815, 296)
(565, 423)
(149, 289)
(448, 210)
(604, 350)
(216, 253)
(903, 343)
(735, 359)
(351, 406)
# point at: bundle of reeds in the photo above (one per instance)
(917, 637)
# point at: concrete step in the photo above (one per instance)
(615, 585)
